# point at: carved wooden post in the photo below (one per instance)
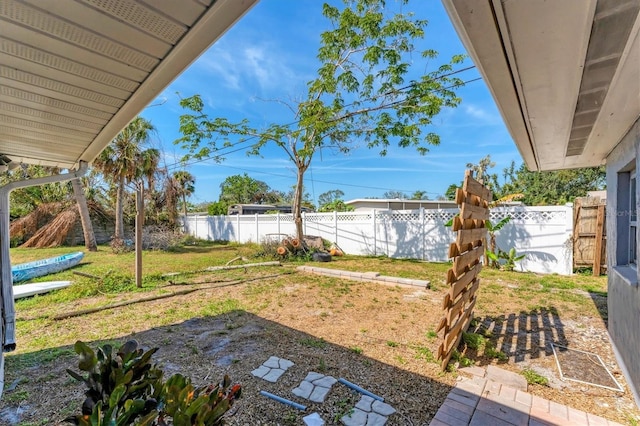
(473, 199)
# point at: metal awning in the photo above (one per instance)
(73, 73)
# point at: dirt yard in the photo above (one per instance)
(380, 337)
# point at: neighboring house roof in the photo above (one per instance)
(398, 204)
(74, 73)
(564, 74)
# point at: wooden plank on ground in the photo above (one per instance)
(597, 255)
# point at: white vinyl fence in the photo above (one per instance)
(543, 234)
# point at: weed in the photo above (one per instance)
(432, 334)
(344, 409)
(322, 366)
(313, 343)
(422, 352)
(392, 344)
(16, 396)
(290, 418)
(356, 349)
(534, 378)
(473, 340)
(491, 352)
(193, 348)
(459, 358)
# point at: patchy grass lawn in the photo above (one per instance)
(378, 336)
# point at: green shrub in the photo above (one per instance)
(124, 388)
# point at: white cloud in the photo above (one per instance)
(248, 66)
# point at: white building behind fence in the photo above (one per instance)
(543, 234)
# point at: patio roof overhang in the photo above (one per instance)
(74, 73)
(564, 74)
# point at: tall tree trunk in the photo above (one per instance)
(87, 227)
(297, 203)
(119, 234)
(184, 212)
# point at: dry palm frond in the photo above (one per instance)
(27, 226)
(55, 232)
(506, 199)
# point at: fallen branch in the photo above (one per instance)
(244, 259)
(84, 274)
(159, 296)
(246, 265)
(120, 304)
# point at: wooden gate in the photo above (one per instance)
(473, 199)
(589, 234)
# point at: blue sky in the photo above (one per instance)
(270, 54)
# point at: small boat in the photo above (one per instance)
(26, 290)
(38, 268)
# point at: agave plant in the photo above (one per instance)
(125, 388)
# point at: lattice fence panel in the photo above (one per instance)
(354, 217)
(538, 217)
(467, 251)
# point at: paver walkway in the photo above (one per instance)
(495, 397)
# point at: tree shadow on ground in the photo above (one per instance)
(234, 343)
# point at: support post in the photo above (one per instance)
(422, 234)
(257, 229)
(7, 308)
(374, 226)
(597, 255)
(335, 227)
(139, 223)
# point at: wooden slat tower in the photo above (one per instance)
(473, 199)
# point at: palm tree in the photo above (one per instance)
(125, 160)
(185, 186)
(85, 218)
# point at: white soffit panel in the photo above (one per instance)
(621, 107)
(547, 45)
(475, 23)
(73, 73)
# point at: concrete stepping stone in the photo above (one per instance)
(368, 412)
(272, 369)
(505, 377)
(313, 419)
(315, 387)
